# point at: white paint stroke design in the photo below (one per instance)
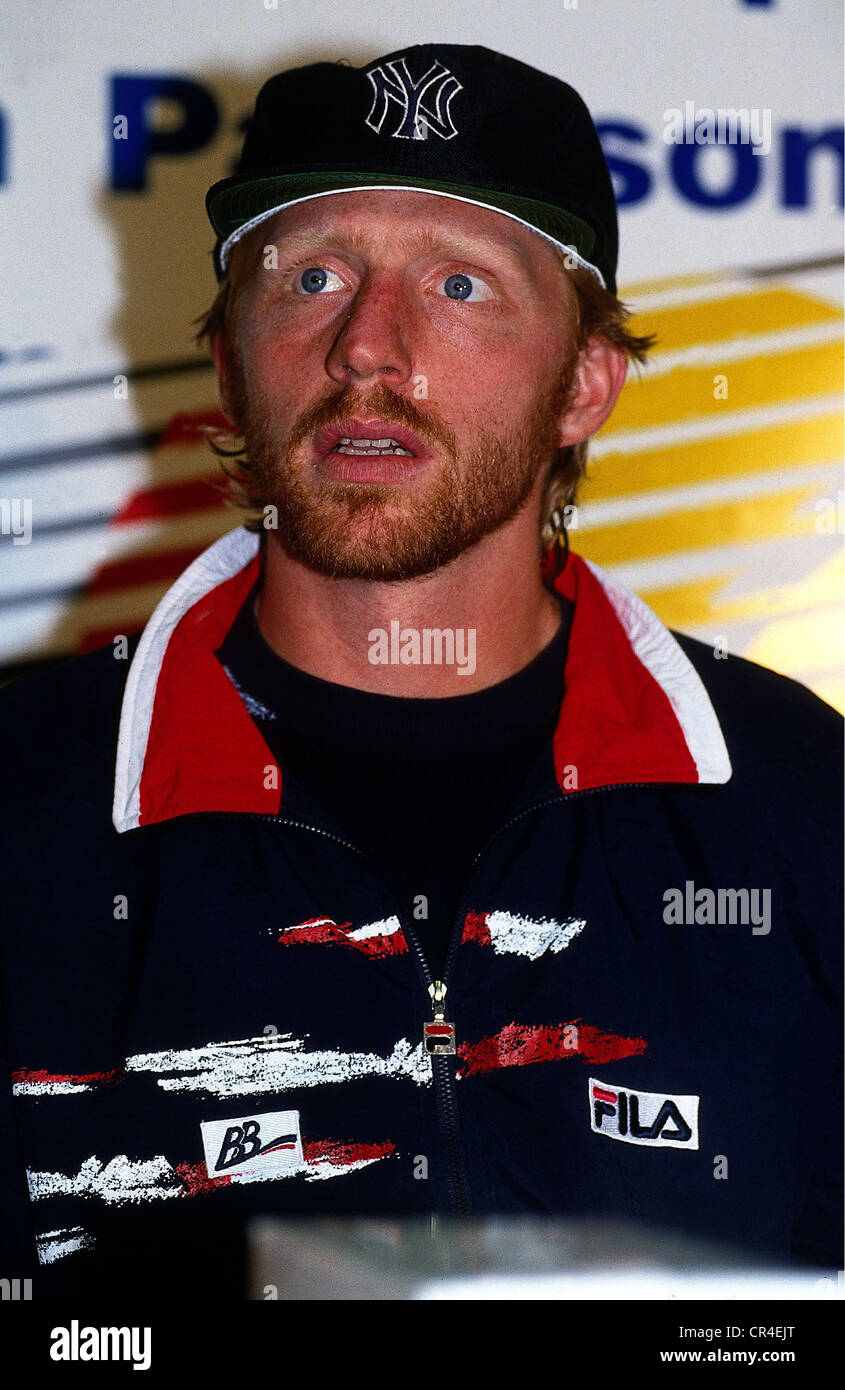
(262, 1065)
(55, 1245)
(41, 1083)
(146, 1180)
(120, 1180)
(382, 938)
(321, 1168)
(387, 927)
(50, 1088)
(529, 936)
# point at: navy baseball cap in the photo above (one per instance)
(450, 119)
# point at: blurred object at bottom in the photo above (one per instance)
(507, 1258)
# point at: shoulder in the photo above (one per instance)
(63, 717)
(775, 728)
(782, 808)
(83, 681)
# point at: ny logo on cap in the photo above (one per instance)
(415, 117)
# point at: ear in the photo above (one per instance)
(599, 377)
(225, 379)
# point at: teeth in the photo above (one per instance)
(370, 446)
(371, 443)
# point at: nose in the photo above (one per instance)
(371, 342)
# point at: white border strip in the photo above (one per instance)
(661, 655)
(230, 241)
(214, 566)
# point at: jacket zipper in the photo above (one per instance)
(444, 1081)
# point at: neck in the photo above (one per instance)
(487, 614)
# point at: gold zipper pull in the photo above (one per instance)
(439, 1036)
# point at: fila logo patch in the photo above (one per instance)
(643, 1117)
(392, 82)
(263, 1144)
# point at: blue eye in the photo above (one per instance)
(315, 279)
(458, 286)
(466, 287)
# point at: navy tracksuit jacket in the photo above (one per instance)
(211, 1007)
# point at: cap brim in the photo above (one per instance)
(235, 206)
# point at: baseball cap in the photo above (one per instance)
(456, 120)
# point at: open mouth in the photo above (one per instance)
(370, 446)
(369, 438)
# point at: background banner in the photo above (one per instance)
(716, 489)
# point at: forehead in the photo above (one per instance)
(406, 222)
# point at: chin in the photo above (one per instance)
(370, 554)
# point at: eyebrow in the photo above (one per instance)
(420, 242)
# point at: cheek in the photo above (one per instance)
(495, 362)
(488, 392)
(272, 367)
(469, 367)
(266, 341)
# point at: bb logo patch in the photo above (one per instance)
(643, 1117)
(262, 1144)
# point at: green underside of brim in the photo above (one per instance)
(232, 207)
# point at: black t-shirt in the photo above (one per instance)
(418, 785)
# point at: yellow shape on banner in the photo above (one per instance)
(714, 320)
(802, 636)
(698, 602)
(752, 518)
(706, 448)
(774, 448)
(765, 379)
(671, 282)
(815, 639)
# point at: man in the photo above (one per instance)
(388, 897)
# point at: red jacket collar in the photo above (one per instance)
(634, 708)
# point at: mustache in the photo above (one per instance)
(382, 402)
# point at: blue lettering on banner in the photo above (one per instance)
(804, 168)
(632, 182)
(798, 145)
(799, 150)
(132, 96)
(686, 173)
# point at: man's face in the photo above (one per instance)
(441, 327)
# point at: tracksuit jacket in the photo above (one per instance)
(212, 1007)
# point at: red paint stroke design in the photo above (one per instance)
(333, 1153)
(323, 931)
(520, 1045)
(319, 931)
(25, 1077)
(339, 1152)
(476, 929)
(195, 1180)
